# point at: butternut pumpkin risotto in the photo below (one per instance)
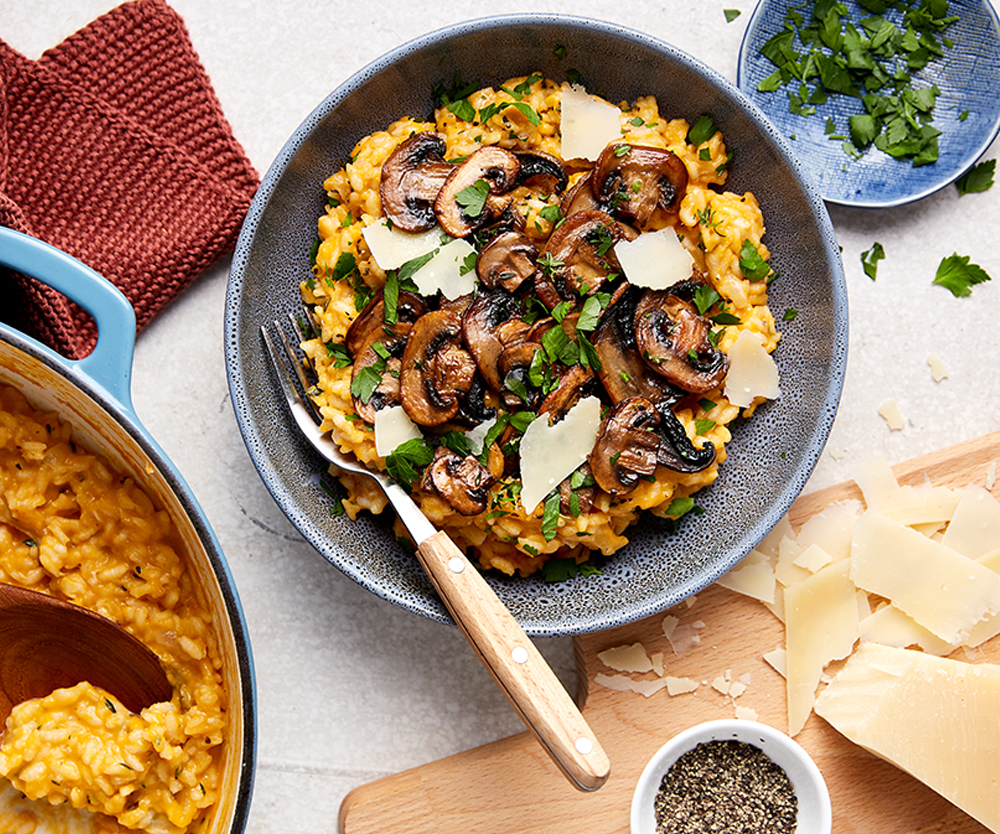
(73, 528)
(540, 312)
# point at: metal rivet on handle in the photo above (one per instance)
(456, 565)
(519, 654)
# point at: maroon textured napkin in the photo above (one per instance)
(113, 148)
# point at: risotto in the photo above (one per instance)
(476, 278)
(73, 528)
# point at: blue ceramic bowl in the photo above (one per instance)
(94, 394)
(771, 456)
(968, 80)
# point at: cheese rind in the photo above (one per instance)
(932, 717)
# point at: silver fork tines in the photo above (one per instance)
(307, 417)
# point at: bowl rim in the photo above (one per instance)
(806, 777)
(545, 625)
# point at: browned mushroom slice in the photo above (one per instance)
(436, 370)
(673, 339)
(462, 205)
(623, 372)
(580, 255)
(540, 164)
(371, 320)
(461, 481)
(585, 494)
(627, 446)
(638, 179)
(384, 351)
(490, 309)
(507, 261)
(580, 198)
(676, 450)
(574, 384)
(412, 176)
(515, 367)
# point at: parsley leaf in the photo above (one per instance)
(550, 516)
(703, 130)
(978, 178)
(472, 198)
(559, 570)
(754, 267)
(408, 459)
(870, 259)
(731, 14)
(957, 275)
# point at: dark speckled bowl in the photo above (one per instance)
(771, 455)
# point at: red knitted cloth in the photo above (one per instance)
(113, 148)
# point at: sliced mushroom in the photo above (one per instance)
(574, 384)
(380, 348)
(498, 168)
(627, 446)
(461, 481)
(673, 339)
(579, 256)
(580, 198)
(515, 367)
(412, 176)
(490, 309)
(371, 320)
(638, 179)
(623, 373)
(507, 261)
(676, 450)
(540, 164)
(437, 372)
(585, 494)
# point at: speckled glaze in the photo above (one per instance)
(967, 77)
(771, 456)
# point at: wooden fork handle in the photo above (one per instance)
(515, 663)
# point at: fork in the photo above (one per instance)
(515, 663)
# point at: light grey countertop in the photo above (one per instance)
(352, 688)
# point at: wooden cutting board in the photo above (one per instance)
(511, 787)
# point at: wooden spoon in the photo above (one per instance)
(47, 644)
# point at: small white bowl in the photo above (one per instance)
(815, 815)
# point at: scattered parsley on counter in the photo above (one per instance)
(958, 276)
(731, 14)
(827, 52)
(977, 178)
(870, 259)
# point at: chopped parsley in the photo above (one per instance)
(408, 460)
(822, 51)
(958, 276)
(731, 14)
(754, 267)
(559, 570)
(703, 130)
(870, 259)
(472, 198)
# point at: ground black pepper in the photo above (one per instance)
(725, 786)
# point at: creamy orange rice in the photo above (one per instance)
(713, 225)
(73, 528)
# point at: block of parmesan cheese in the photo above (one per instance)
(933, 717)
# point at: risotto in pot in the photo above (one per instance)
(540, 312)
(73, 528)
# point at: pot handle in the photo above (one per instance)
(110, 363)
